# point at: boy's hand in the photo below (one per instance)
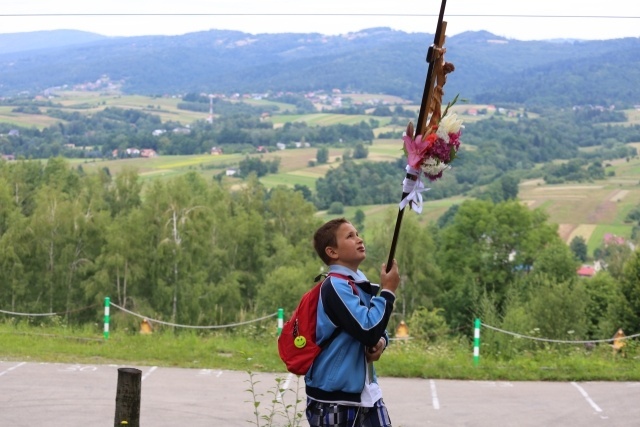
(374, 353)
(390, 280)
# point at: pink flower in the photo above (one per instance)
(416, 148)
(432, 152)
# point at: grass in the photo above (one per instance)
(240, 351)
(326, 119)
(161, 165)
(253, 349)
(39, 121)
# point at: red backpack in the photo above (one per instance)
(297, 341)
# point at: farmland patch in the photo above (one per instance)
(568, 188)
(619, 195)
(583, 230)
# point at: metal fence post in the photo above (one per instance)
(476, 343)
(107, 302)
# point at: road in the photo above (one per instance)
(67, 395)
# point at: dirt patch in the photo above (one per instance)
(532, 182)
(619, 195)
(565, 230)
(605, 212)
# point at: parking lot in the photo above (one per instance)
(67, 395)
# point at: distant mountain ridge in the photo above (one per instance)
(39, 40)
(489, 68)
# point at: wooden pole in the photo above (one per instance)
(128, 397)
(427, 95)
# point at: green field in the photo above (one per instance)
(39, 121)
(326, 119)
(589, 210)
(162, 165)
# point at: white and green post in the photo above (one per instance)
(476, 343)
(107, 302)
(280, 320)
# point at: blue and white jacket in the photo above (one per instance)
(338, 373)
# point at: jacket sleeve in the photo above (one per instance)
(347, 311)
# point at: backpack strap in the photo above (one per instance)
(349, 279)
(335, 333)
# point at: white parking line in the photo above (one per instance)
(12, 368)
(284, 387)
(434, 395)
(586, 396)
(153, 368)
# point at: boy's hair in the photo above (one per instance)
(326, 236)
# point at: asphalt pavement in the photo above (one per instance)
(66, 395)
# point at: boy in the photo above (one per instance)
(341, 385)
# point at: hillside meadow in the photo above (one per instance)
(589, 210)
(166, 107)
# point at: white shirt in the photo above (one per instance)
(371, 393)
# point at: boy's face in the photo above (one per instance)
(350, 250)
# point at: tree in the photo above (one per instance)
(447, 217)
(121, 265)
(290, 214)
(421, 277)
(125, 193)
(283, 288)
(615, 257)
(50, 223)
(253, 165)
(558, 308)
(556, 261)
(506, 188)
(322, 155)
(603, 292)
(488, 246)
(509, 186)
(14, 248)
(428, 325)
(358, 220)
(178, 217)
(579, 248)
(360, 151)
(629, 315)
(304, 190)
(336, 208)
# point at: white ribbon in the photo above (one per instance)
(414, 189)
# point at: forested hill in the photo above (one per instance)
(41, 40)
(377, 60)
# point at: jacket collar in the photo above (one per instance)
(358, 277)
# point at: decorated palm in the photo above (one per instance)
(430, 147)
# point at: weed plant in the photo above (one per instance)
(277, 409)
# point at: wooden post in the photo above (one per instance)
(425, 106)
(128, 397)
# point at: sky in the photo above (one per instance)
(513, 19)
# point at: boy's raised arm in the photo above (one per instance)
(390, 280)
